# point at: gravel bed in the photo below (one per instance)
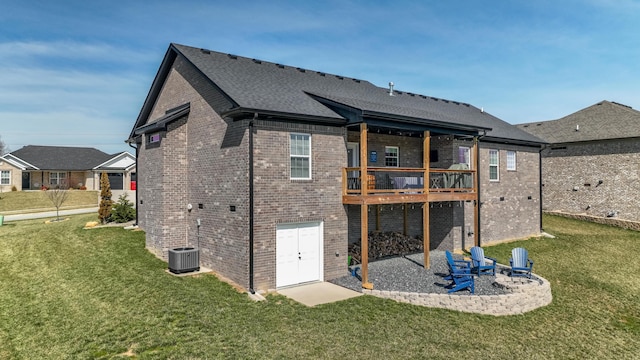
(407, 274)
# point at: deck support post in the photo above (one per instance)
(426, 150)
(476, 187)
(364, 208)
(405, 219)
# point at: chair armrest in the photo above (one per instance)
(495, 261)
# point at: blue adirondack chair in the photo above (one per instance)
(482, 264)
(462, 266)
(459, 274)
(520, 263)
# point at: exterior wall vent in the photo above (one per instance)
(183, 260)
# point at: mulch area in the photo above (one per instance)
(406, 273)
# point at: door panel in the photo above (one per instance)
(308, 248)
(298, 253)
(116, 181)
(286, 255)
(26, 180)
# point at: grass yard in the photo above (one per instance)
(72, 293)
(26, 201)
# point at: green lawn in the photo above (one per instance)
(28, 201)
(72, 293)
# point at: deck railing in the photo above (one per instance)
(406, 180)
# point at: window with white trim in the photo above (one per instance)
(493, 165)
(5, 177)
(57, 178)
(464, 156)
(511, 161)
(391, 156)
(300, 153)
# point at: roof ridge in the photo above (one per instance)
(266, 62)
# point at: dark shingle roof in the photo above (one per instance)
(604, 120)
(61, 158)
(264, 86)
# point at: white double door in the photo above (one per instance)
(298, 253)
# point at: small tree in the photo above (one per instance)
(123, 210)
(3, 147)
(104, 212)
(58, 196)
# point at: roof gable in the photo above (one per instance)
(61, 158)
(601, 121)
(124, 160)
(17, 162)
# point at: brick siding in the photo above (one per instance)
(572, 172)
(15, 177)
(202, 162)
(278, 199)
(515, 216)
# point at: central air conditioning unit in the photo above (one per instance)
(184, 260)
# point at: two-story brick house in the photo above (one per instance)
(590, 165)
(285, 166)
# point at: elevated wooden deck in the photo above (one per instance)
(406, 185)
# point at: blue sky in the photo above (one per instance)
(75, 73)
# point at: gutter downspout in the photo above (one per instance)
(540, 182)
(479, 230)
(137, 175)
(251, 285)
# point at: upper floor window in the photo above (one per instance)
(511, 161)
(493, 165)
(391, 156)
(154, 138)
(300, 156)
(5, 177)
(464, 156)
(57, 178)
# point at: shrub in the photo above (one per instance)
(14, 188)
(123, 210)
(104, 212)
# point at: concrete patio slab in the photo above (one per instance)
(318, 293)
(203, 270)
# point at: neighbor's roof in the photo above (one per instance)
(61, 158)
(601, 121)
(253, 85)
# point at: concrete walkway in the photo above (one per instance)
(48, 214)
(318, 293)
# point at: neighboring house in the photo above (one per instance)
(34, 167)
(591, 163)
(272, 170)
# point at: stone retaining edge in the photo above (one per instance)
(523, 298)
(625, 224)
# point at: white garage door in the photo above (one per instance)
(298, 253)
